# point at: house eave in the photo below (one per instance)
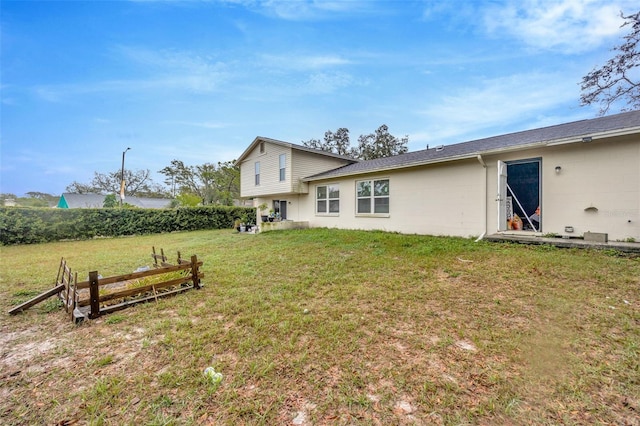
(272, 194)
(259, 139)
(391, 168)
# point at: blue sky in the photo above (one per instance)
(197, 81)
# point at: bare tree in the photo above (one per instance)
(138, 183)
(618, 79)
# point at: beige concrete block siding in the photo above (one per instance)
(295, 209)
(601, 174)
(435, 200)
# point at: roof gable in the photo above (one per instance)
(259, 139)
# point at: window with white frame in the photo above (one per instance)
(257, 173)
(283, 166)
(372, 196)
(328, 199)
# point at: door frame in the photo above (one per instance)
(503, 180)
(280, 209)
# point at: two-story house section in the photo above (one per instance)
(272, 173)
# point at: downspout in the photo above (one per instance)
(484, 198)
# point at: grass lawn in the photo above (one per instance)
(323, 326)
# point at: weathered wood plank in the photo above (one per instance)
(94, 295)
(68, 289)
(137, 290)
(62, 263)
(74, 297)
(155, 256)
(194, 271)
(39, 298)
(136, 275)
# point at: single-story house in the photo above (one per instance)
(568, 180)
(96, 201)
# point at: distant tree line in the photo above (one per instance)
(32, 199)
(206, 184)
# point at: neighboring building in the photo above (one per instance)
(96, 201)
(580, 177)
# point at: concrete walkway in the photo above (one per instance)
(566, 242)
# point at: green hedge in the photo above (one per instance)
(38, 225)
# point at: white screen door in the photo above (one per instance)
(502, 196)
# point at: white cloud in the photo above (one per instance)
(192, 62)
(471, 111)
(458, 13)
(302, 62)
(170, 70)
(567, 26)
(327, 82)
(6, 100)
(202, 124)
(310, 9)
(63, 92)
(162, 70)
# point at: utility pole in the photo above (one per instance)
(122, 178)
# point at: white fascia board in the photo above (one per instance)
(594, 136)
(391, 168)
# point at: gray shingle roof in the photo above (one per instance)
(568, 132)
(84, 201)
(149, 203)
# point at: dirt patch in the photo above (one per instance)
(20, 348)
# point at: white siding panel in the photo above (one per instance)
(269, 172)
(299, 164)
(306, 164)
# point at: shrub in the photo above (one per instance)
(33, 225)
